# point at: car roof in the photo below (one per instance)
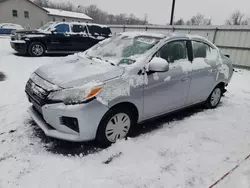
(85, 23)
(163, 35)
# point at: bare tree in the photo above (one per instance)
(2, 76)
(237, 18)
(179, 22)
(199, 19)
(145, 18)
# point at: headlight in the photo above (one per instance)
(20, 36)
(76, 95)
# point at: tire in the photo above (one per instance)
(36, 49)
(214, 98)
(109, 131)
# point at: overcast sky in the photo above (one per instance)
(159, 10)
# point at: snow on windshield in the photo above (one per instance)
(121, 48)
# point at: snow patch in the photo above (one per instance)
(224, 69)
(185, 65)
(34, 35)
(65, 13)
(43, 83)
(155, 76)
(112, 90)
(167, 79)
(199, 63)
(18, 41)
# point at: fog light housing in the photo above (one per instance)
(70, 122)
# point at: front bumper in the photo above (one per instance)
(19, 45)
(88, 115)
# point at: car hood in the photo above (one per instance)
(27, 31)
(79, 72)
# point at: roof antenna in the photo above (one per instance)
(189, 32)
(207, 34)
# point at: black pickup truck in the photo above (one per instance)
(59, 37)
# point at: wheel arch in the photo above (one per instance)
(127, 104)
(38, 40)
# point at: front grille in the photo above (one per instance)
(37, 95)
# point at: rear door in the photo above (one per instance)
(60, 39)
(79, 36)
(204, 70)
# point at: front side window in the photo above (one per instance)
(14, 13)
(79, 28)
(123, 49)
(62, 28)
(173, 51)
(26, 14)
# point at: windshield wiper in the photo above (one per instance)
(105, 60)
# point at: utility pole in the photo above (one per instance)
(172, 12)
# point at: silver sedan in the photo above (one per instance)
(132, 77)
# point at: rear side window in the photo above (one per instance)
(62, 28)
(173, 51)
(98, 30)
(79, 29)
(200, 49)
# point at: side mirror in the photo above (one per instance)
(53, 30)
(158, 65)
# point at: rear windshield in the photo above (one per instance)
(98, 30)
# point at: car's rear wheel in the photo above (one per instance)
(36, 49)
(116, 124)
(214, 98)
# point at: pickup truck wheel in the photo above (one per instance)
(116, 124)
(36, 49)
(214, 98)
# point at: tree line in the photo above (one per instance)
(102, 17)
(98, 15)
(237, 18)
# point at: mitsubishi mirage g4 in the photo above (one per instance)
(129, 78)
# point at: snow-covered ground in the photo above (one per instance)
(191, 149)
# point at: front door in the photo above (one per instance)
(168, 91)
(204, 70)
(60, 40)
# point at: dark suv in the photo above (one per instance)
(59, 37)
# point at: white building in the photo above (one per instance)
(68, 16)
(30, 15)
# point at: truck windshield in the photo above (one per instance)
(122, 48)
(46, 26)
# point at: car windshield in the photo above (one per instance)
(46, 26)
(122, 49)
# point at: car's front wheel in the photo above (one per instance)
(214, 98)
(116, 124)
(36, 49)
